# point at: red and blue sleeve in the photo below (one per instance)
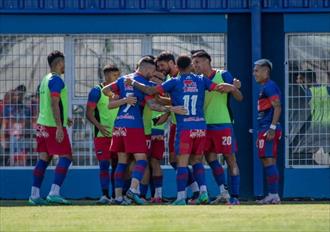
(209, 85)
(227, 77)
(94, 97)
(55, 86)
(167, 86)
(272, 92)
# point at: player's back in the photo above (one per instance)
(189, 90)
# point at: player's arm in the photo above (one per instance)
(93, 98)
(153, 105)
(149, 90)
(163, 100)
(233, 85)
(161, 119)
(117, 102)
(228, 88)
(276, 103)
(55, 86)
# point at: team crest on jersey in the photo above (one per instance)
(197, 134)
(189, 86)
(119, 131)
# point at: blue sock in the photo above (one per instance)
(119, 175)
(191, 178)
(39, 173)
(174, 165)
(199, 173)
(127, 185)
(158, 181)
(272, 178)
(152, 185)
(104, 176)
(61, 170)
(234, 186)
(218, 172)
(181, 178)
(139, 168)
(112, 176)
(143, 190)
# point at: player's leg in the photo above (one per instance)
(119, 177)
(181, 179)
(234, 178)
(144, 184)
(267, 151)
(114, 162)
(38, 176)
(102, 145)
(199, 174)
(157, 179)
(137, 175)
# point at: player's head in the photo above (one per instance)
(146, 66)
(262, 69)
(56, 61)
(165, 62)
(111, 73)
(184, 63)
(201, 61)
(306, 77)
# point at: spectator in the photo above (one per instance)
(16, 125)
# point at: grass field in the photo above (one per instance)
(311, 217)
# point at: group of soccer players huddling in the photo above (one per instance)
(129, 114)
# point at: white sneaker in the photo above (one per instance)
(222, 198)
(104, 201)
(270, 199)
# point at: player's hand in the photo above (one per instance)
(59, 134)
(130, 100)
(178, 110)
(70, 122)
(270, 134)
(225, 88)
(237, 83)
(129, 81)
(104, 130)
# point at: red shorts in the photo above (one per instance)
(171, 138)
(268, 149)
(102, 148)
(220, 141)
(128, 140)
(46, 141)
(190, 142)
(148, 143)
(157, 146)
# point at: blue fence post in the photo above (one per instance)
(256, 54)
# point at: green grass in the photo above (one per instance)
(86, 217)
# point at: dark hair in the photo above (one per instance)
(192, 52)
(54, 55)
(310, 75)
(21, 88)
(110, 68)
(146, 60)
(165, 56)
(183, 62)
(201, 54)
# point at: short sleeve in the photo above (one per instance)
(209, 85)
(93, 97)
(55, 85)
(167, 86)
(272, 92)
(227, 77)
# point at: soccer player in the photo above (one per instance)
(189, 90)
(269, 129)
(166, 64)
(220, 134)
(102, 118)
(52, 137)
(128, 134)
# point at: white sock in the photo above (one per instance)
(54, 190)
(181, 195)
(273, 194)
(194, 187)
(158, 192)
(119, 198)
(203, 188)
(222, 188)
(137, 191)
(35, 192)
